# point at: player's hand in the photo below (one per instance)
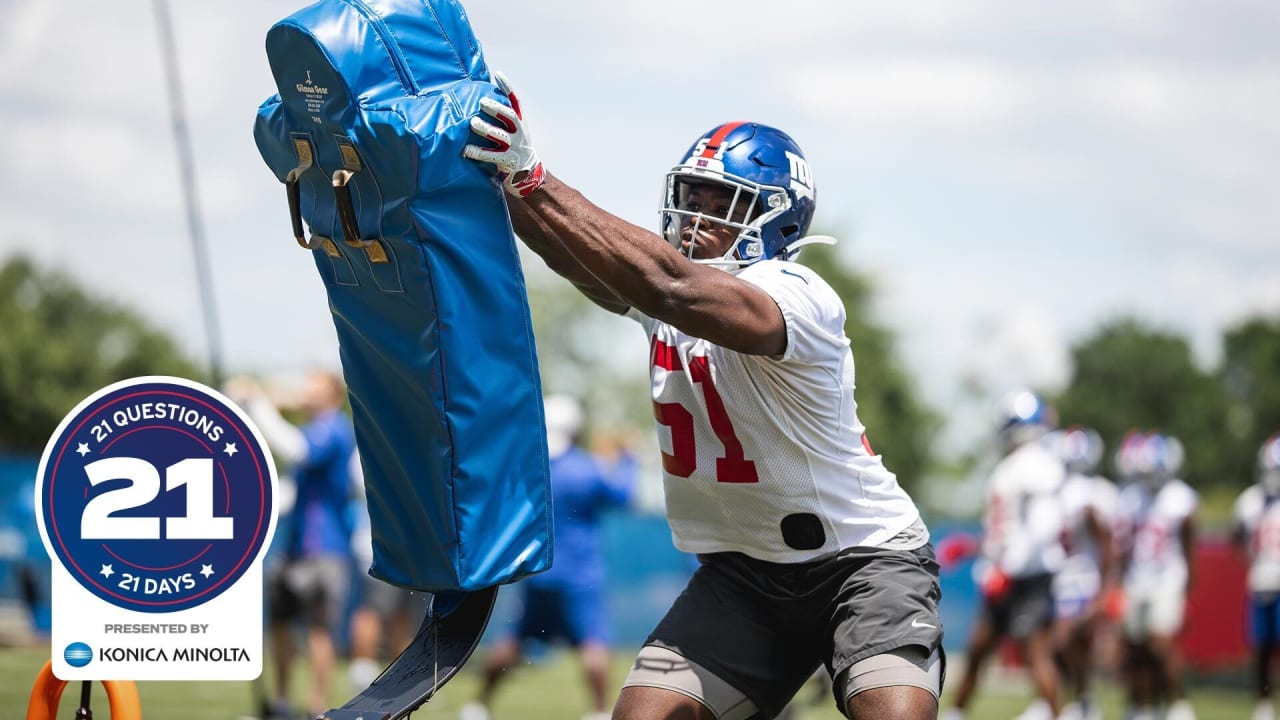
(512, 150)
(1113, 602)
(242, 389)
(995, 584)
(955, 549)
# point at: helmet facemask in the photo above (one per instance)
(751, 206)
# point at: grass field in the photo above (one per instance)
(549, 690)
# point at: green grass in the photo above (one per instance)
(551, 690)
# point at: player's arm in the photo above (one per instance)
(287, 442)
(539, 238)
(641, 269)
(1240, 526)
(647, 273)
(1101, 533)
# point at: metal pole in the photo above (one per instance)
(187, 173)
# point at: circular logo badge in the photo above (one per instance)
(156, 494)
(78, 654)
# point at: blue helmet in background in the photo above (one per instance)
(1269, 465)
(768, 175)
(1153, 457)
(1024, 416)
(1081, 449)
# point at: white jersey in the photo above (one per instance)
(1080, 575)
(1080, 494)
(1022, 526)
(766, 456)
(1149, 526)
(1259, 517)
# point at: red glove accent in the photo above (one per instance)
(956, 548)
(995, 584)
(1114, 603)
(512, 151)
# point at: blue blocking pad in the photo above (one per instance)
(417, 255)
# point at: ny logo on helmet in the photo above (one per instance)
(801, 176)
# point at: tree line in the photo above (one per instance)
(59, 342)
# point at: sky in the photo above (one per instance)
(1011, 174)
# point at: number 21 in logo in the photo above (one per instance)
(155, 494)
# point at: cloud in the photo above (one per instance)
(1088, 157)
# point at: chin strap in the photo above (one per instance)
(794, 248)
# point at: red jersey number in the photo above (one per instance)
(683, 458)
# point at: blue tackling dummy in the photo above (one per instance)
(417, 256)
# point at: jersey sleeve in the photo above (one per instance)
(813, 312)
(1247, 509)
(1104, 500)
(645, 321)
(1186, 501)
(325, 441)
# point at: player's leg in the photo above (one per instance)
(900, 702)
(1080, 643)
(651, 703)
(902, 684)
(1031, 611)
(1139, 665)
(1263, 612)
(501, 659)
(664, 685)
(595, 665)
(411, 607)
(1038, 650)
(366, 633)
(886, 635)
(540, 619)
(283, 610)
(586, 617)
(327, 589)
(740, 640)
(1167, 613)
(1139, 678)
(982, 640)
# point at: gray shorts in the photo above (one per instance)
(313, 590)
(762, 628)
(1027, 606)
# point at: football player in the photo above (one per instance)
(1256, 532)
(1021, 549)
(1082, 587)
(568, 601)
(810, 552)
(1155, 528)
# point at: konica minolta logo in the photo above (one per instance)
(78, 654)
(182, 654)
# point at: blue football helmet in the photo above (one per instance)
(1269, 455)
(1269, 465)
(769, 177)
(1024, 416)
(1153, 457)
(1081, 449)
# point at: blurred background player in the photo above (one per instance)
(311, 584)
(568, 601)
(1155, 528)
(386, 616)
(1020, 550)
(1256, 532)
(1083, 585)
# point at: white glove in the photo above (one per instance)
(513, 153)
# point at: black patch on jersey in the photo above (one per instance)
(803, 531)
